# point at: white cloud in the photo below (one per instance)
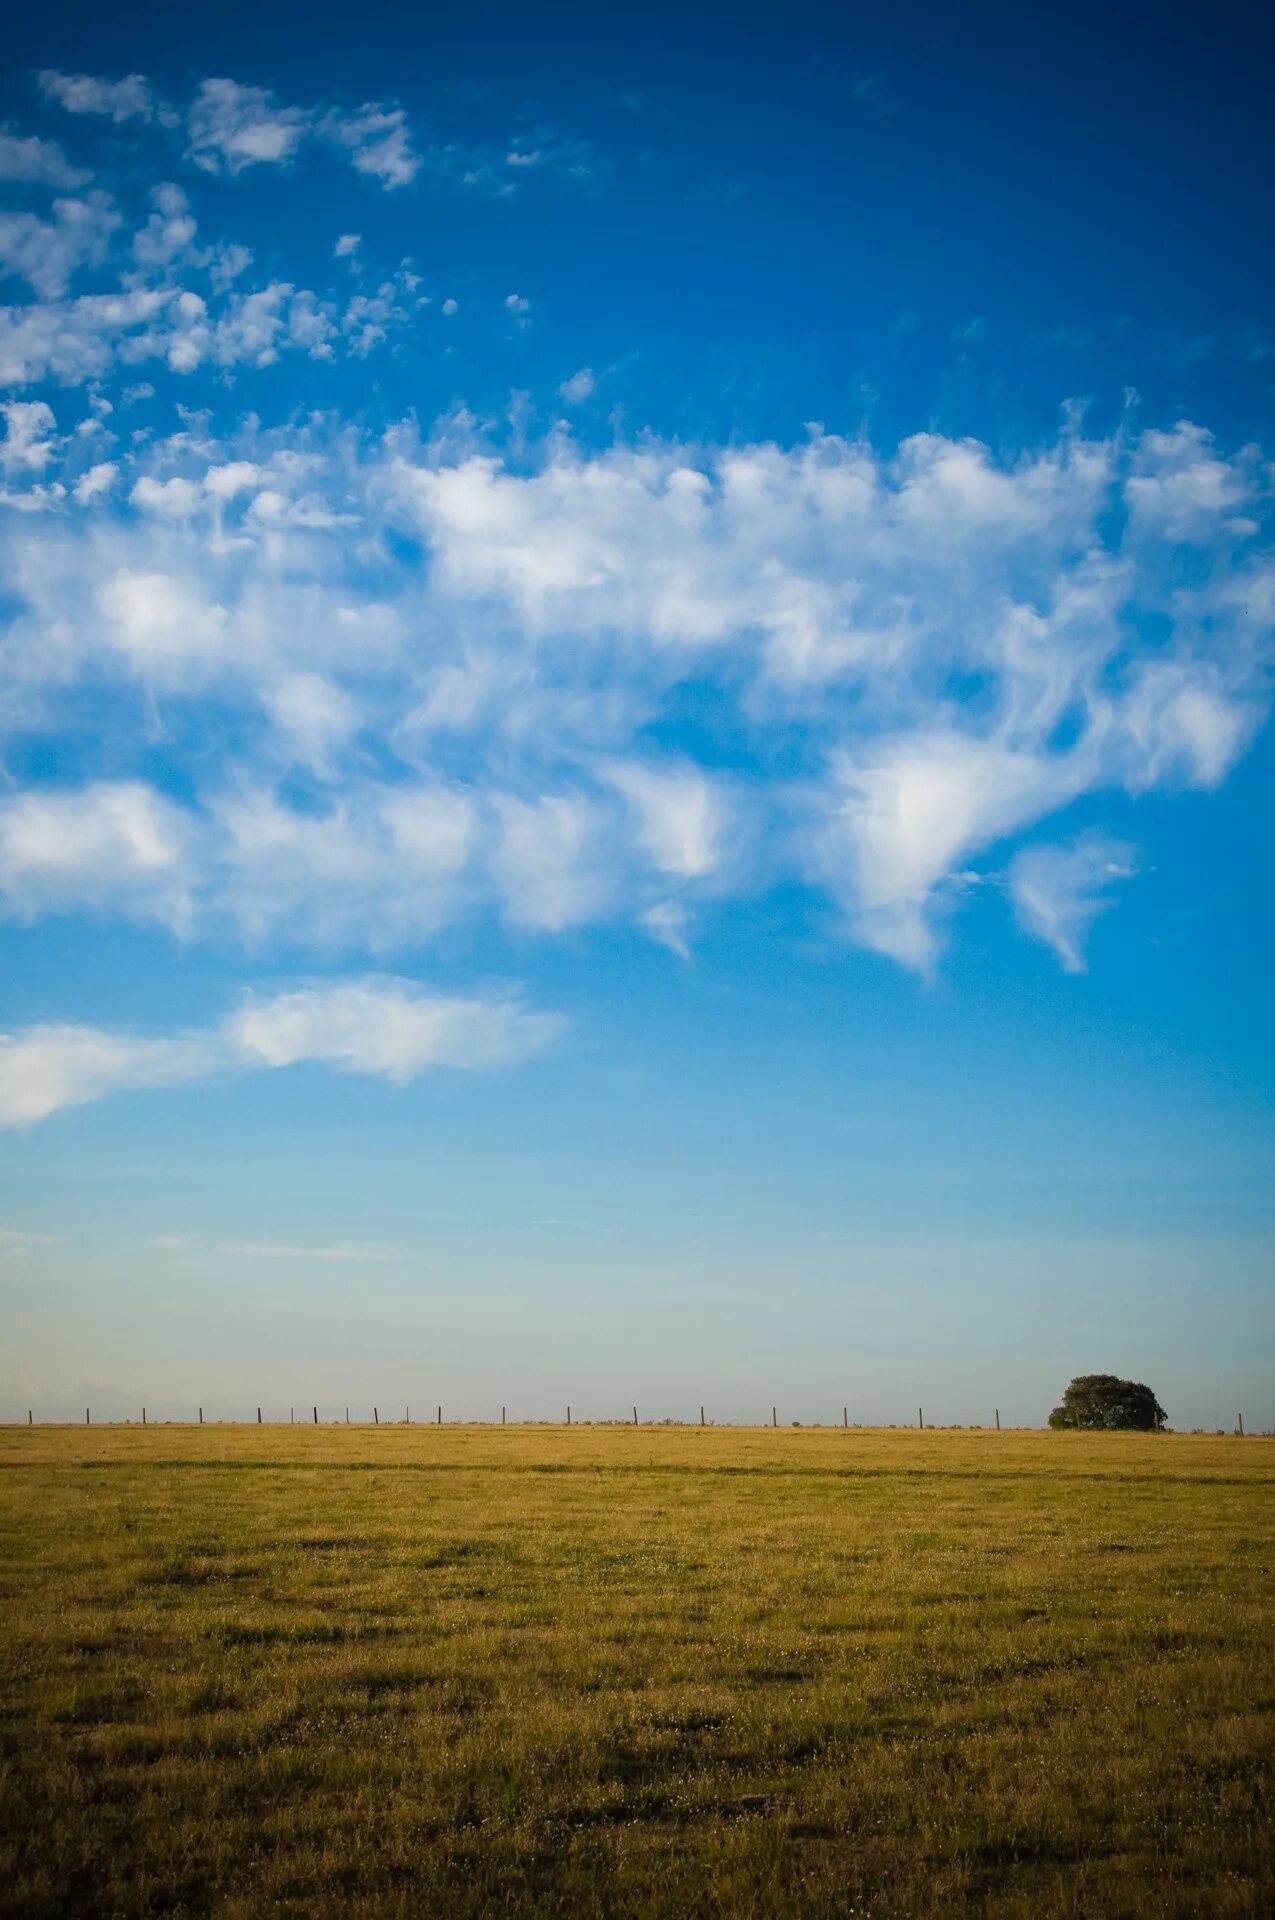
(1184, 722)
(46, 1068)
(28, 435)
(97, 482)
(454, 675)
(74, 340)
(175, 499)
(40, 162)
(548, 861)
(504, 169)
(316, 716)
(47, 253)
(378, 141)
(906, 813)
(666, 922)
(388, 1027)
(1058, 891)
(580, 387)
(109, 843)
(117, 100)
(1179, 488)
(443, 675)
(433, 829)
(232, 477)
(387, 865)
(170, 298)
(681, 814)
(33, 499)
(378, 1025)
(78, 339)
(232, 127)
(170, 229)
(160, 624)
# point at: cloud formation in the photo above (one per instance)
(449, 671)
(230, 129)
(27, 158)
(1058, 891)
(45, 1068)
(378, 1025)
(117, 100)
(940, 647)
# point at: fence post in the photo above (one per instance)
(502, 1416)
(845, 1416)
(201, 1416)
(568, 1416)
(376, 1418)
(440, 1416)
(407, 1416)
(701, 1416)
(998, 1419)
(87, 1421)
(774, 1418)
(316, 1416)
(1241, 1418)
(635, 1418)
(258, 1416)
(920, 1418)
(143, 1416)
(347, 1416)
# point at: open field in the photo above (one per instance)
(635, 1671)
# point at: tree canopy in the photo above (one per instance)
(1103, 1400)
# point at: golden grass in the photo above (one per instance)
(616, 1671)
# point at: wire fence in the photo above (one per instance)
(375, 1418)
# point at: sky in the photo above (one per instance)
(635, 685)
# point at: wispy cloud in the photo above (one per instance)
(387, 1027)
(379, 142)
(118, 100)
(580, 387)
(1058, 891)
(27, 158)
(46, 1068)
(230, 128)
(832, 596)
(380, 1026)
(440, 665)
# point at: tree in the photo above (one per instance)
(1101, 1400)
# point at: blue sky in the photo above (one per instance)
(636, 674)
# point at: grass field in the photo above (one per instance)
(635, 1672)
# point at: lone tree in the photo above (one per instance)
(1101, 1400)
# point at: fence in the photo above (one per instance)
(664, 1421)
